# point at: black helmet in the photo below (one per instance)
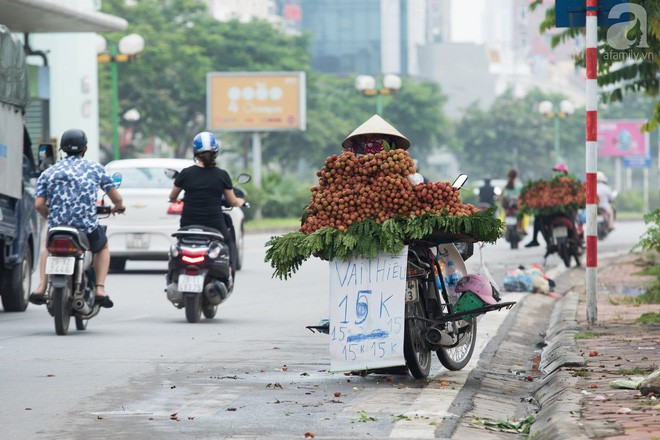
(73, 141)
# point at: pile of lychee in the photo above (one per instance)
(355, 188)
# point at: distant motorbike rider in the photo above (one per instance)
(558, 170)
(488, 194)
(511, 194)
(66, 194)
(205, 185)
(605, 197)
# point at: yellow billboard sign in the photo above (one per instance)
(255, 101)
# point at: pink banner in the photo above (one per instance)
(621, 138)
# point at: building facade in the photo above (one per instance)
(367, 36)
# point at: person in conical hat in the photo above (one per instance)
(370, 137)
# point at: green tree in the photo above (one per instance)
(512, 133)
(335, 108)
(183, 43)
(622, 72)
(167, 84)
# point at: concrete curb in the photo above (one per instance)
(559, 416)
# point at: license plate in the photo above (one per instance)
(191, 283)
(560, 232)
(137, 241)
(411, 291)
(511, 221)
(60, 265)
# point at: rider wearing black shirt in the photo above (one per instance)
(204, 185)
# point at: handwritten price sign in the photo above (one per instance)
(367, 308)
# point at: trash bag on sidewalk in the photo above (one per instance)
(533, 279)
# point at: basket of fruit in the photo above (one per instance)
(558, 195)
(365, 204)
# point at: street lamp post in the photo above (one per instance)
(547, 109)
(127, 49)
(368, 86)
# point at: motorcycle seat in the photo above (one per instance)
(204, 232)
(79, 236)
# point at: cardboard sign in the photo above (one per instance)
(367, 312)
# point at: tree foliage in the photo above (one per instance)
(183, 42)
(622, 72)
(512, 133)
(335, 108)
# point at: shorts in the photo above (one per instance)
(97, 239)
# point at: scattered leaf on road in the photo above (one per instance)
(364, 417)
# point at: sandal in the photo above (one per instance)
(38, 298)
(104, 301)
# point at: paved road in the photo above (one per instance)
(253, 372)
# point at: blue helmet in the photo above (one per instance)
(205, 141)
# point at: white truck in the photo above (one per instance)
(20, 224)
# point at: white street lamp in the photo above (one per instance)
(369, 86)
(547, 109)
(127, 49)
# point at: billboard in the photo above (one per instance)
(255, 101)
(621, 138)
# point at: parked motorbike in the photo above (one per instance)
(434, 321)
(200, 275)
(71, 278)
(513, 233)
(564, 235)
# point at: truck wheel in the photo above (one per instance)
(16, 283)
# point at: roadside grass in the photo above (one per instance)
(272, 224)
(634, 372)
(650, 266)
(589, 335)
(582, 373)
(629, 215)
(652, 293)
(649, 318)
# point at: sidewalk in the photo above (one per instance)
(577, 399)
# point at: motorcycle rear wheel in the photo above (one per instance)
(564, 251)
(457, 358)
(62, 308)
(415, 351)
(193, 305)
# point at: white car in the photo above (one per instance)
(145, 231)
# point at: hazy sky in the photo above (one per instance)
(466, 20)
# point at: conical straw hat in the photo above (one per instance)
(377, 125)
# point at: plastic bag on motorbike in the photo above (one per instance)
(483, 271)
